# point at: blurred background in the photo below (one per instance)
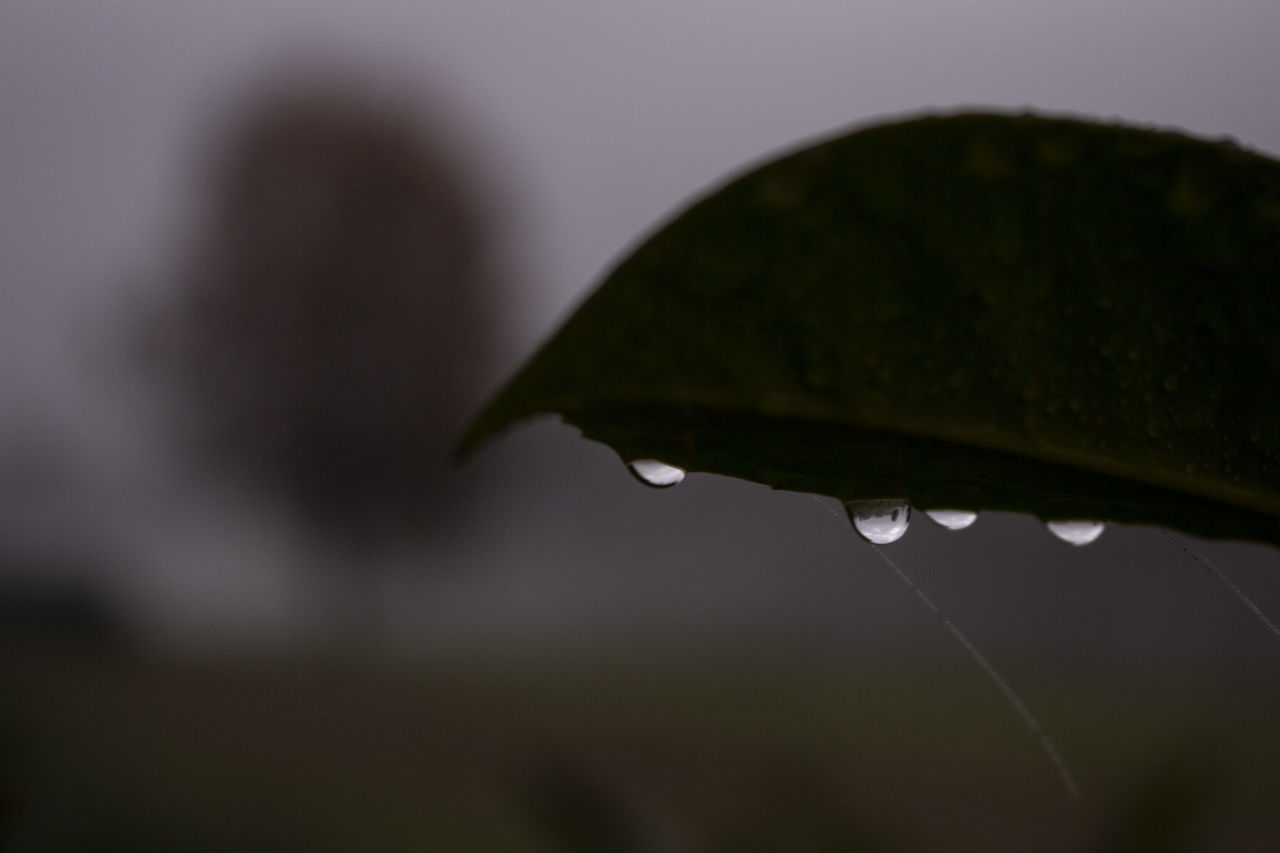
(258, 263)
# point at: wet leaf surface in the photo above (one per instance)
(1060, 317)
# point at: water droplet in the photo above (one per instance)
(651, 472)
(879, 522)
(1076, 532)
(952, 519)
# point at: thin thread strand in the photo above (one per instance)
(1226, 581)
(1010, 695)
(990, 670)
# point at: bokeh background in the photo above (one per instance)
(258, 261)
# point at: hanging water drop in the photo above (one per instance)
(651, 472)
(1076, 532)
(879, 522)
(952, 519)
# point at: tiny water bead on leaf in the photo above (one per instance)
(880, 522)
(1076, 532)
(651, 472)
(953, 519)
(945, 305)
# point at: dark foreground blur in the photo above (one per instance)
(106, 751)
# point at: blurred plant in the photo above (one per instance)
(337, 312)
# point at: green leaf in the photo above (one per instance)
(1061, 317)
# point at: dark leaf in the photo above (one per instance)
(1061, 317)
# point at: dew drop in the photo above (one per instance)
(1076, 532)
(651, 472)
(879, 522)
(952, 519)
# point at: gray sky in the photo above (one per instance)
(593, 120)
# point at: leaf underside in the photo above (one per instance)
(982, 311)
